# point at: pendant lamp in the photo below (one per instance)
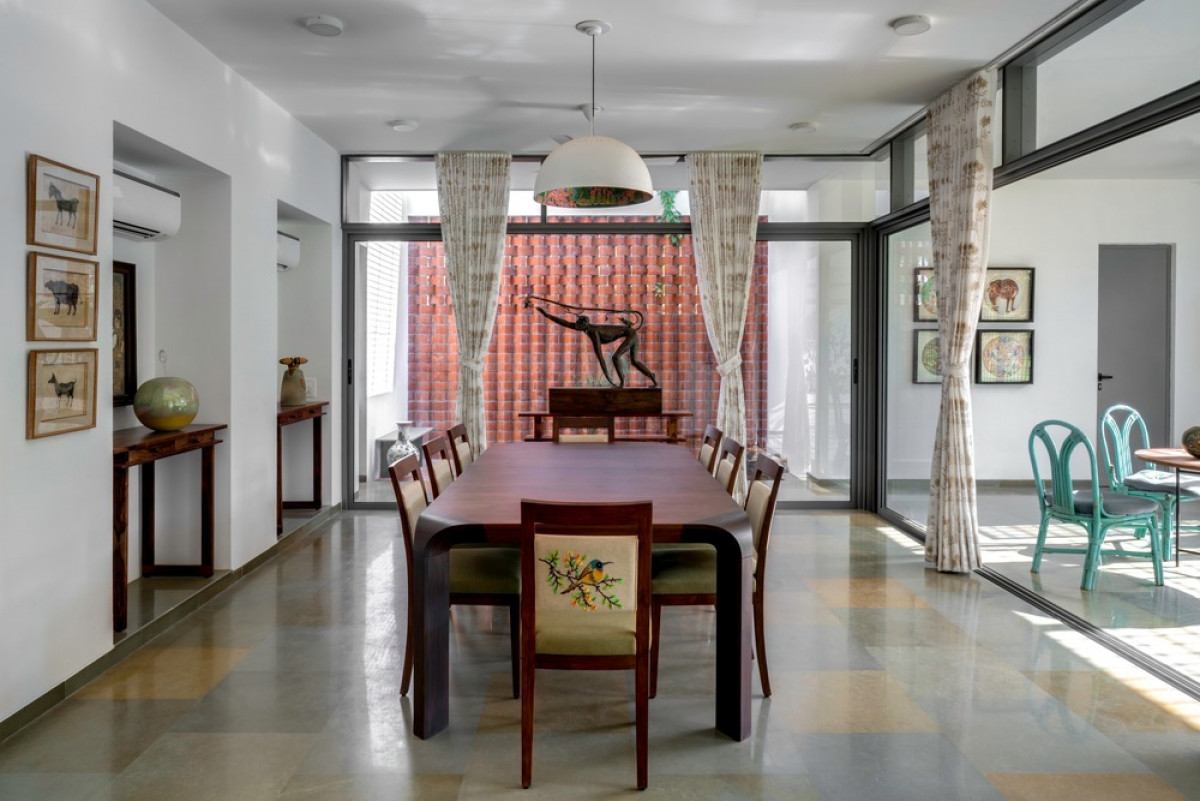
(593, 171)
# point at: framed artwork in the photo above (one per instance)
(124, 325)
(60, 298)
(1004, 357)
(62, 206)
(924, 296)
(62, 391)
(1007, 295)
(927, 357)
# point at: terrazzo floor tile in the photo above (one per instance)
(45, 786)
(290, 702)
(173, 672)
(863, 592)
(376, 787)
(852, 701)
(1083, 787)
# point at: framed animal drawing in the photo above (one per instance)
(61, 298)
(62, 392)
(1004, 356)
(927, 357)
(62, 208)
(1007, 295)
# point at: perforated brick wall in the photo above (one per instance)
(529, 353)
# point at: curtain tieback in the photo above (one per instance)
(961, 370)
(474, 365)
(726, 368)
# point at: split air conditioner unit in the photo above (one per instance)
(143, 211)
(287, 251)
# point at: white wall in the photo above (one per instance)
(121, 61)
(1056, 227)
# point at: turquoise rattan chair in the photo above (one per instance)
(1095, 510)
(1122, 431)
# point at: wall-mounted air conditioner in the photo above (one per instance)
(143, 211)
(287, 251)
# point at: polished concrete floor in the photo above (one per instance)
(891, 681)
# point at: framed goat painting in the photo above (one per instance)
(1007, 295)
(62, 391)
(61, 298)
(62, 208)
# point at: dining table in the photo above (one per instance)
(1181, 461)
(483, 505)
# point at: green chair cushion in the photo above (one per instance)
(684, 569)
(485, 570)
(609, 633)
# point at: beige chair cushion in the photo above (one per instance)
(463, 449)
(706, 452)
(485, 569)
(573, 632)
(412, 495)
(443, 472)
(601, 437)
(756, 507)
(724, 469)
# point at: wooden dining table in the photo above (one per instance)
(483, 505)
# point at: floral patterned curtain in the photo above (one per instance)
(473, 199)
(960, 193)
(725, 189)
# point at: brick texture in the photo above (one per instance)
(528, 353)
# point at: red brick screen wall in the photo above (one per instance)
(528, 353)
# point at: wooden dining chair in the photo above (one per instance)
(729, 462)
(710, 443)
(460, 446)
(484, 576)
(686, 575)
(439, 461)
(587, 567)
(605, 432)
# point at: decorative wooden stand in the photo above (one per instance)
(286, 416)
(608, 402)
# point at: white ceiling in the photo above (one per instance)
(673, 76)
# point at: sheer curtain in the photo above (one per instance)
(473, 198)
(725, 189)
(960, 193)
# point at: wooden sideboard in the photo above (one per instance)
(670, 419)
(286, 416)
(133, 447)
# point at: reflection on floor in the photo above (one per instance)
(891, 681)
(1163, 622)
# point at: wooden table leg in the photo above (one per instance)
(735, 575)
(120, 547)
(206, 511)
(147, 517)
(316, 493)
(431, 685)
(278, 480)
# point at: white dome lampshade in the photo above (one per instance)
(593, 171)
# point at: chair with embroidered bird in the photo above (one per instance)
(729, 461)
(1095, 510)
(709, 445)
(460, 447)
(439, 462)
(586, 567)
(686, 574)
(597, 429)
(1122, 431)
(479, 575)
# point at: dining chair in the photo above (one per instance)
(587, 567)
(729, 461)
(479, 576)
(460, 446)
(1095, 510)
(1122, 431)
(439, 461)
(590, 424)
(686, 574)
(709, 445)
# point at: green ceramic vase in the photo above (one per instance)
(166, 404)
(1191, 441)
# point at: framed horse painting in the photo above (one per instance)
(62, 207)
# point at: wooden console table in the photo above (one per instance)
(670, 435)
(285, 417)
(141, 446)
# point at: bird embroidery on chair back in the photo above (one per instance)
(586, 581)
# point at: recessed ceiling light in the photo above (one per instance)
(913, 25)
(403, 126)
(803, 127)
(324, 25)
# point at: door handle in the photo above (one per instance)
(1100, 379)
